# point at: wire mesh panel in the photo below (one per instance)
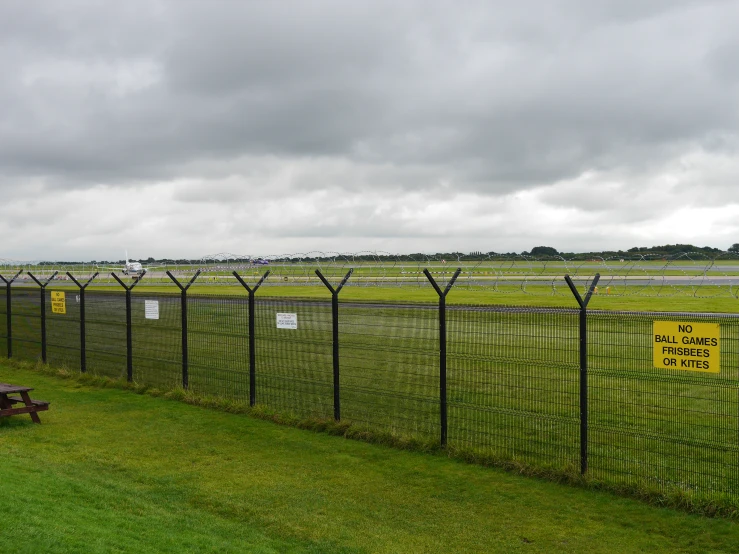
(294, 368)
(513, 383)
(63, 331)
(390, 368)
(3, 323)
(105, 315)
(512, 374)
(26, 321)
(666, 427)
(218, 345)
(157, 340)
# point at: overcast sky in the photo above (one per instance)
(183, 128)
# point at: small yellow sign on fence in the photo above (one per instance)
(687, 346)
(58, 303)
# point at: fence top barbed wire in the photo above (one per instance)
(684, 274)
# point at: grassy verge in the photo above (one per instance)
(685, 298)
(110, 471)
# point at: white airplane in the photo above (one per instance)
(132, 268)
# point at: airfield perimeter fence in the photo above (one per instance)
(555, 388)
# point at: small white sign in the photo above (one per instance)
(151, 309)
(287, 321)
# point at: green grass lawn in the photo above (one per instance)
(112, 471)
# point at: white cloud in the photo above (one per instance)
(270, 215)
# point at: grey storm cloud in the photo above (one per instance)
(491, 95)
(255, 126)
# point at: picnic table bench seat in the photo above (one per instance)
(18, 400)
(9, 404)
(25, 409)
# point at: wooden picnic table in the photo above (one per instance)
(29, 406)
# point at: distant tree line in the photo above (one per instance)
(538, 252)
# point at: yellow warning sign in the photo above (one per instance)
(687, 346)
(58, 303)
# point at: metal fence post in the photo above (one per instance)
(583, 367)
(8, 316)
(183, 313)
(442, 348)
(129, 332)
(252, 337)
(83, 345)
(43, 310)
(335, 328)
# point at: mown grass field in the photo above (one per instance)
(712, 299)
(114, 471)
(514, 282)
